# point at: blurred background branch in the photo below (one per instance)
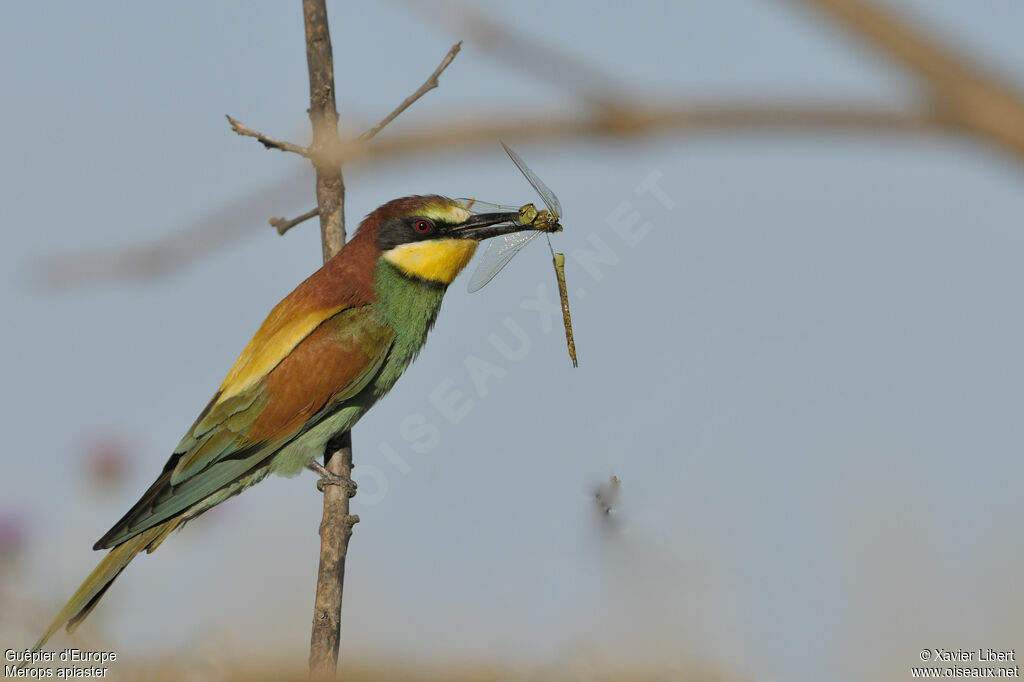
(978, 102)
(538, 59)
(179, 249)
(961, 99)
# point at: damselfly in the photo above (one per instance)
(501, 250)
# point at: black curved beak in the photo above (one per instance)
(486, 225)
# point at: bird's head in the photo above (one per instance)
(433, 237)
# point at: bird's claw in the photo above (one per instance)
(330, 478)
(347, 483)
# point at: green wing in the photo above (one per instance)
(229, 446)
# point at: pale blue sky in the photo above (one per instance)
(806, 373)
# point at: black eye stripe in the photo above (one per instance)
(403, 230)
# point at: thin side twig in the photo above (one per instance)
(427, 86)
(283, 224)
(522, 50)
(268, 142)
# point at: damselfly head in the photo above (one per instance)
(545, 222)
(527, 214)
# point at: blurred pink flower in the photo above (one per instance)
(106, 459)
(13, 536)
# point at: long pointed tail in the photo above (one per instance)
(84, 600)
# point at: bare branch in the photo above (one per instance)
(336, 526)
(283, 224)
(323, 114)
(268, 142)
(427, 86)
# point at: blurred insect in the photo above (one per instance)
(607, 495)
(501, 250)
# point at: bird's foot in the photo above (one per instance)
(330, 478)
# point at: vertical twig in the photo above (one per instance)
(330, 189)
(336, 526)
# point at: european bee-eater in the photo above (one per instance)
(321, 359)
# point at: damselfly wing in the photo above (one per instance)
(549, 198)
(501, 250)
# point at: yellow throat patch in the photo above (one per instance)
(434, 260)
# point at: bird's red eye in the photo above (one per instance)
(423, 226)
